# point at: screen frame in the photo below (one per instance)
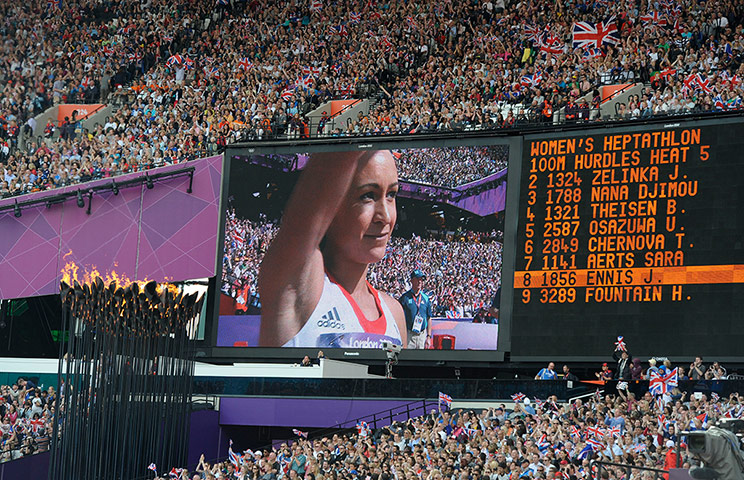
(615, 128)
(514, 142)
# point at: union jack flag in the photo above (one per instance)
(659, 384)
(188, 63)
(445, 399)
(245, 64)
(153, 468)
(36, 425)
(533, 80)
(592, 52)
(234, 458)
(86, 82)
(54, 4)
(551, 44)
(588, 449)
(615, 432)
(362, 429)
(594, 431)
(452, 314)
(176, 472)
(586, 34)
(518, 397)
(620, 344)
(314, 71)
(654, 18)
(595, 444)
(542, 443)
(355, 18)
(411, 21)
(174, 60)
(385, 44)
(212, 72)
(336, 67)
(533, 33)
(639, 448)
(316, 5)
(305, 82)
(715, 397)
(299, 433)
(718, 103)
(538, 403)
(575, 431)
(735, 412)
(659, 403)
(703, 417)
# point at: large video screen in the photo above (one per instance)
(637, 234)
(352, 249)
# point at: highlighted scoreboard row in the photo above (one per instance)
(647, 276)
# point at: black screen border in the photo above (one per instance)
(514, 142)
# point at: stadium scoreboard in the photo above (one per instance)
(617, 231)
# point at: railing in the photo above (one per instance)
(628, 469)
(386, 417)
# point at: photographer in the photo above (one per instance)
(697, 369)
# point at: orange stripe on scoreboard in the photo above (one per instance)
(650, 276)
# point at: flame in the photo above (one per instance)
(71, 273)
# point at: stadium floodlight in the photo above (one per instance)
(90, 201)
(80, 201)
(17, 210)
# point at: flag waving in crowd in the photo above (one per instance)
(589, 35)
(445, 400)
(661, 383)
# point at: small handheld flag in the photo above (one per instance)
(518, 397)
(445, 399)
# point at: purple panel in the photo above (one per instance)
(468, 335)
(301, 412)
(28, 251)
(205, 437)
(107, 238)
(159, 234)
(35, 466)
(178, 238)
(243, 330)
(238, 328)
(485, 203)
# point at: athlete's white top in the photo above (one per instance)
(337, 321)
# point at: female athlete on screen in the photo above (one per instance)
(313, 286)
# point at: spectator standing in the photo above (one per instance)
(697, 369)
(547, 373)
(567, 375)
(623, 365)
(417, 308)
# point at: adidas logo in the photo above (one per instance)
(331, 320)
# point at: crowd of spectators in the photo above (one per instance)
(26, 419)
(450, 167)
(538, 439)
(197, 76)
(463, 270)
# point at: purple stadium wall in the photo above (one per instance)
(159, 234)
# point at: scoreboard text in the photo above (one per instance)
(618, 219)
